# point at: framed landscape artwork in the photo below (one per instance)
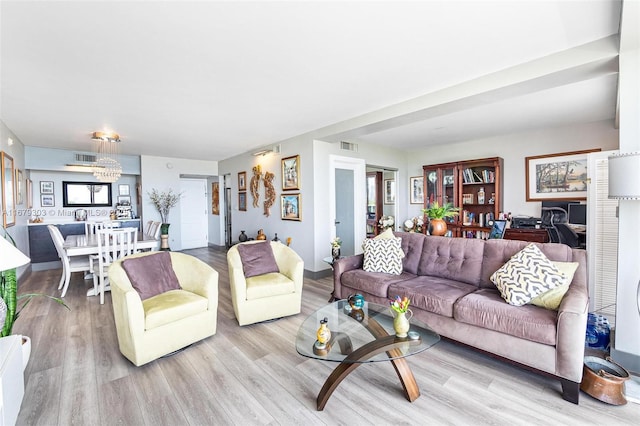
(416, 190)
(560, 176)
(290, 207)
(290, 172)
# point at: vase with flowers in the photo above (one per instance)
(386, 222)
(164, 202)
(400, 309)
(335, 248)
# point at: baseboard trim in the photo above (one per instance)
(628, 360)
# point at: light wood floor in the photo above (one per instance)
(253, 375)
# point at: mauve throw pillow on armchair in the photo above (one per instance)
(151, 275)
(257, 259)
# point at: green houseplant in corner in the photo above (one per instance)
(436, 214)
(164, 202)
(11, 259)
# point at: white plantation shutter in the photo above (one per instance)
(602, 234)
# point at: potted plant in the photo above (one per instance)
(164, 202)
(10, 307)
(436, 214)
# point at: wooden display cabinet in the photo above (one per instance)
(475, 186)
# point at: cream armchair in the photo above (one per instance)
(154, 327)
(267, 296)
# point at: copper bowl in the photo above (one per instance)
(603, 379)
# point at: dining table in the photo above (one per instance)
(83, 245)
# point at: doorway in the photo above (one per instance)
(193, 211)
(347, 202)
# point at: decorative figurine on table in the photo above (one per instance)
(323, 335)
(356, 303)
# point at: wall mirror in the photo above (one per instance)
(86, 194)
(8, 194)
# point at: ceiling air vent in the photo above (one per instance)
(276, 149)
(348, 146)
(86, 158)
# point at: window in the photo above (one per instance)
(86, 194)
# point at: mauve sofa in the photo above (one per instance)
(448, 282)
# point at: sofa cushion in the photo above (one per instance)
(269, 285)
(497, 252)
(526, 275)
(172, 306)
(257, 259)
(151, 275)
(383, 255)
(433, 294)
(374, 283)
(551, 299)
(485, 308)
(412, 244)
(458, 259)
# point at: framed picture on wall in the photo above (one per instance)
(19, 188)
(416, 190)
(290, 172)
(215, 198)
(290, 207)
(561, 176)
(242, 181)
(47, 200)
(46, 187)
(389, 191)
(8, 190)
(123, 189)
(29, 194)
(242, 201)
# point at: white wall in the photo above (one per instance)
(19, 230)
(513, 149)
(163, 173)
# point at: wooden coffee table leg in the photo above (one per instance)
(388, 344)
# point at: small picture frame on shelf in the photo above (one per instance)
(124, 199)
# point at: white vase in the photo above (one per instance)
(26, 351)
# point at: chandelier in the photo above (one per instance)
(107, 168)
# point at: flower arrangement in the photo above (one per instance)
(386, 222)
(399, 305)
(163, 202)
(415, 224)
(336, 242)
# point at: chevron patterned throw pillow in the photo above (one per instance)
(383, 255)
(526, 275)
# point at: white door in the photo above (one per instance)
(193, 211)
(356, 170)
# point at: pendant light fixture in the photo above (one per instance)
(107, 168)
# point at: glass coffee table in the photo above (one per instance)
(359, 336)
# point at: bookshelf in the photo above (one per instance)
(475, 186)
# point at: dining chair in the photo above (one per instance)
(90, 228)
(113, 244)
(69, 263)
(148, 229)
(156, 230)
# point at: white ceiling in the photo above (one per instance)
(210, 80)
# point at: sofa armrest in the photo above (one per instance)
(572, 326)
(341, 266)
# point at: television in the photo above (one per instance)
(578, 214)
